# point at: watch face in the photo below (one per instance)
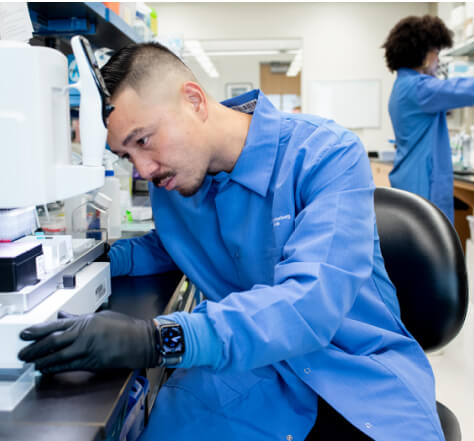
(172, 340)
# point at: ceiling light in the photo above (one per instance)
(196, 50)
(295, 65)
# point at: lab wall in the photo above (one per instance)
(246, 66)
(341, 41)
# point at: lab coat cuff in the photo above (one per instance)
(203, 347)
(120, 258)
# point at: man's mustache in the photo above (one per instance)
(157, 180)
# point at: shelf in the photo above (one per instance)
(62, 20)
(463, 49)
(55, 23)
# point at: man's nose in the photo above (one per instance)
(146, 168)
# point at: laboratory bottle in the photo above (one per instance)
(456, 153)
(123, 170)
(466, 151)
(111, 189)
(471, 149)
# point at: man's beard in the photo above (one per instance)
(191, 191)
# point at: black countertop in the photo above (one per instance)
(47, 432)
(82, 405)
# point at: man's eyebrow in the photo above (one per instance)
(132, 134)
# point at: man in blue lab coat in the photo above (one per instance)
(418, 106)
(271, 216)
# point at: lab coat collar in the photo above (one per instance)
(405, 71)
(254, 168)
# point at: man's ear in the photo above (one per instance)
(194, 95)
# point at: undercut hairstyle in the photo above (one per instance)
(132, 65)
(412, 38)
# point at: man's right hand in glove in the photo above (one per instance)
(91, 342)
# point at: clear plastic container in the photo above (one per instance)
(53, 225)
(14, 385)
(128, 11)
(91, 219)
(51, 218)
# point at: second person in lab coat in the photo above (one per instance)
(418, 106)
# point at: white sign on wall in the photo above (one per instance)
(354, 104)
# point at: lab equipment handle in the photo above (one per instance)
(91, 121)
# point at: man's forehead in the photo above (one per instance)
(131, 99)
(127, 106)
(125, 94)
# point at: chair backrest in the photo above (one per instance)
(424, 259)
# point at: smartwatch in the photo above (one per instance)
(170, 339)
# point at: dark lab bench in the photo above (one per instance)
(86, 406)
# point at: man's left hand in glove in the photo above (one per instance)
(91, 342)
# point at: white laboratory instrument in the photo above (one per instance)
(36, 169)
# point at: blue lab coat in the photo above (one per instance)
(286, 250)
(417, 108)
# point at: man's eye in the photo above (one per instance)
(142, 141)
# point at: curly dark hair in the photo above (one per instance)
(412, 38)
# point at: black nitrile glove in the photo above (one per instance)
(91, 342)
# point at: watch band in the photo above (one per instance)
(169, 361)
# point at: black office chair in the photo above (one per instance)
(424, 259)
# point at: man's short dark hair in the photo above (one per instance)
(134, 63)
(412, 38)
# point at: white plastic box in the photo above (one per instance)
(92, 289)
(57, 251)
(17, 222)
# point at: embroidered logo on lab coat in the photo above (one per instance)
(277, 220)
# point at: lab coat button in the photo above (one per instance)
(307, 370)
(289, 437)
